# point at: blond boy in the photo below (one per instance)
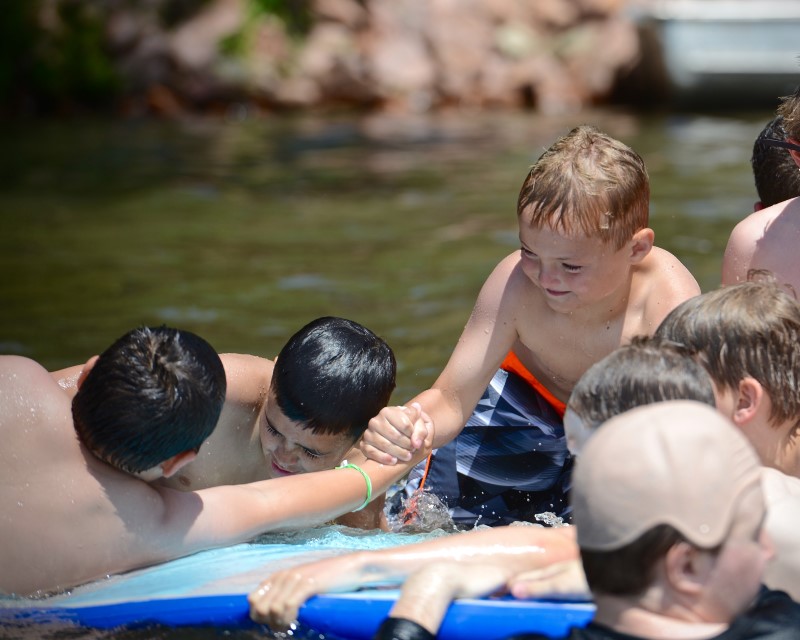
(585, 280)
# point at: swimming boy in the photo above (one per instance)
(303, 412)
(767, 239)
(586, 279)
(77, 475)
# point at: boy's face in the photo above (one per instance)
(572, 271)
(739, 565)
(289, 448)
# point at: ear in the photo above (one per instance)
(758, 206)
(749, 401)
(170, 466)
(687, 568)
(641, 244)
(795, 154)
(85, 371)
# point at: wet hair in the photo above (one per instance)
(588, 183)
(751, 329)
(333, 376)
(631, 569)
(647, 370)
(789, 110)
(777, 176)
(153, 394)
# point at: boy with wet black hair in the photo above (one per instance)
(332, 376)
(82, 502)
(153, 395)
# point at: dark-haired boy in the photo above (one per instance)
(78, 468)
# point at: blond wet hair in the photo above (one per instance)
(588, 183)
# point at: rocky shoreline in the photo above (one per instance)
(398, 55)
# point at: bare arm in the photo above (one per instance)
(488, 336)
(514, 549)
(67, 379)
(739, 253)
(427, 593)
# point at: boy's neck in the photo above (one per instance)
(654, 618)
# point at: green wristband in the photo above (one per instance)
(346, 465)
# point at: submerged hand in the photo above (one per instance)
(396, 433)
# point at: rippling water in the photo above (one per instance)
(244, 231)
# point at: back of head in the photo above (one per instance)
(750, 329)
(333, 376)
(588, 183)
(153, 394)
(789, 110)
(639, 475)
(777, 176)
(646, 370)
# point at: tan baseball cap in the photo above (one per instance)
(679, 463)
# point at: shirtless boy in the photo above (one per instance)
(586, 279)
(767, 239)
(77, 474)
(303, 412)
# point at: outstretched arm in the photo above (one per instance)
(487, 337)
(514, 549)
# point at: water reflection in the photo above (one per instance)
(244, 231)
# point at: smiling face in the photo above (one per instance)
(573, 271)
(289, 448)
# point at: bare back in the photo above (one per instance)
(765, 240)
(232, 454)
(83, 515)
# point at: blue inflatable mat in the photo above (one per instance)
(211, 588)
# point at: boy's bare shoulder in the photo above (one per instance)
(23, 380)
(507, 277)
(663, 283)
(248, 377)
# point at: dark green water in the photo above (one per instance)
(244, 231)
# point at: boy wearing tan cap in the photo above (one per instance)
(669, 510)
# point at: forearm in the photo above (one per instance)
(234, 514)
(447, 412)
(523, 548)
